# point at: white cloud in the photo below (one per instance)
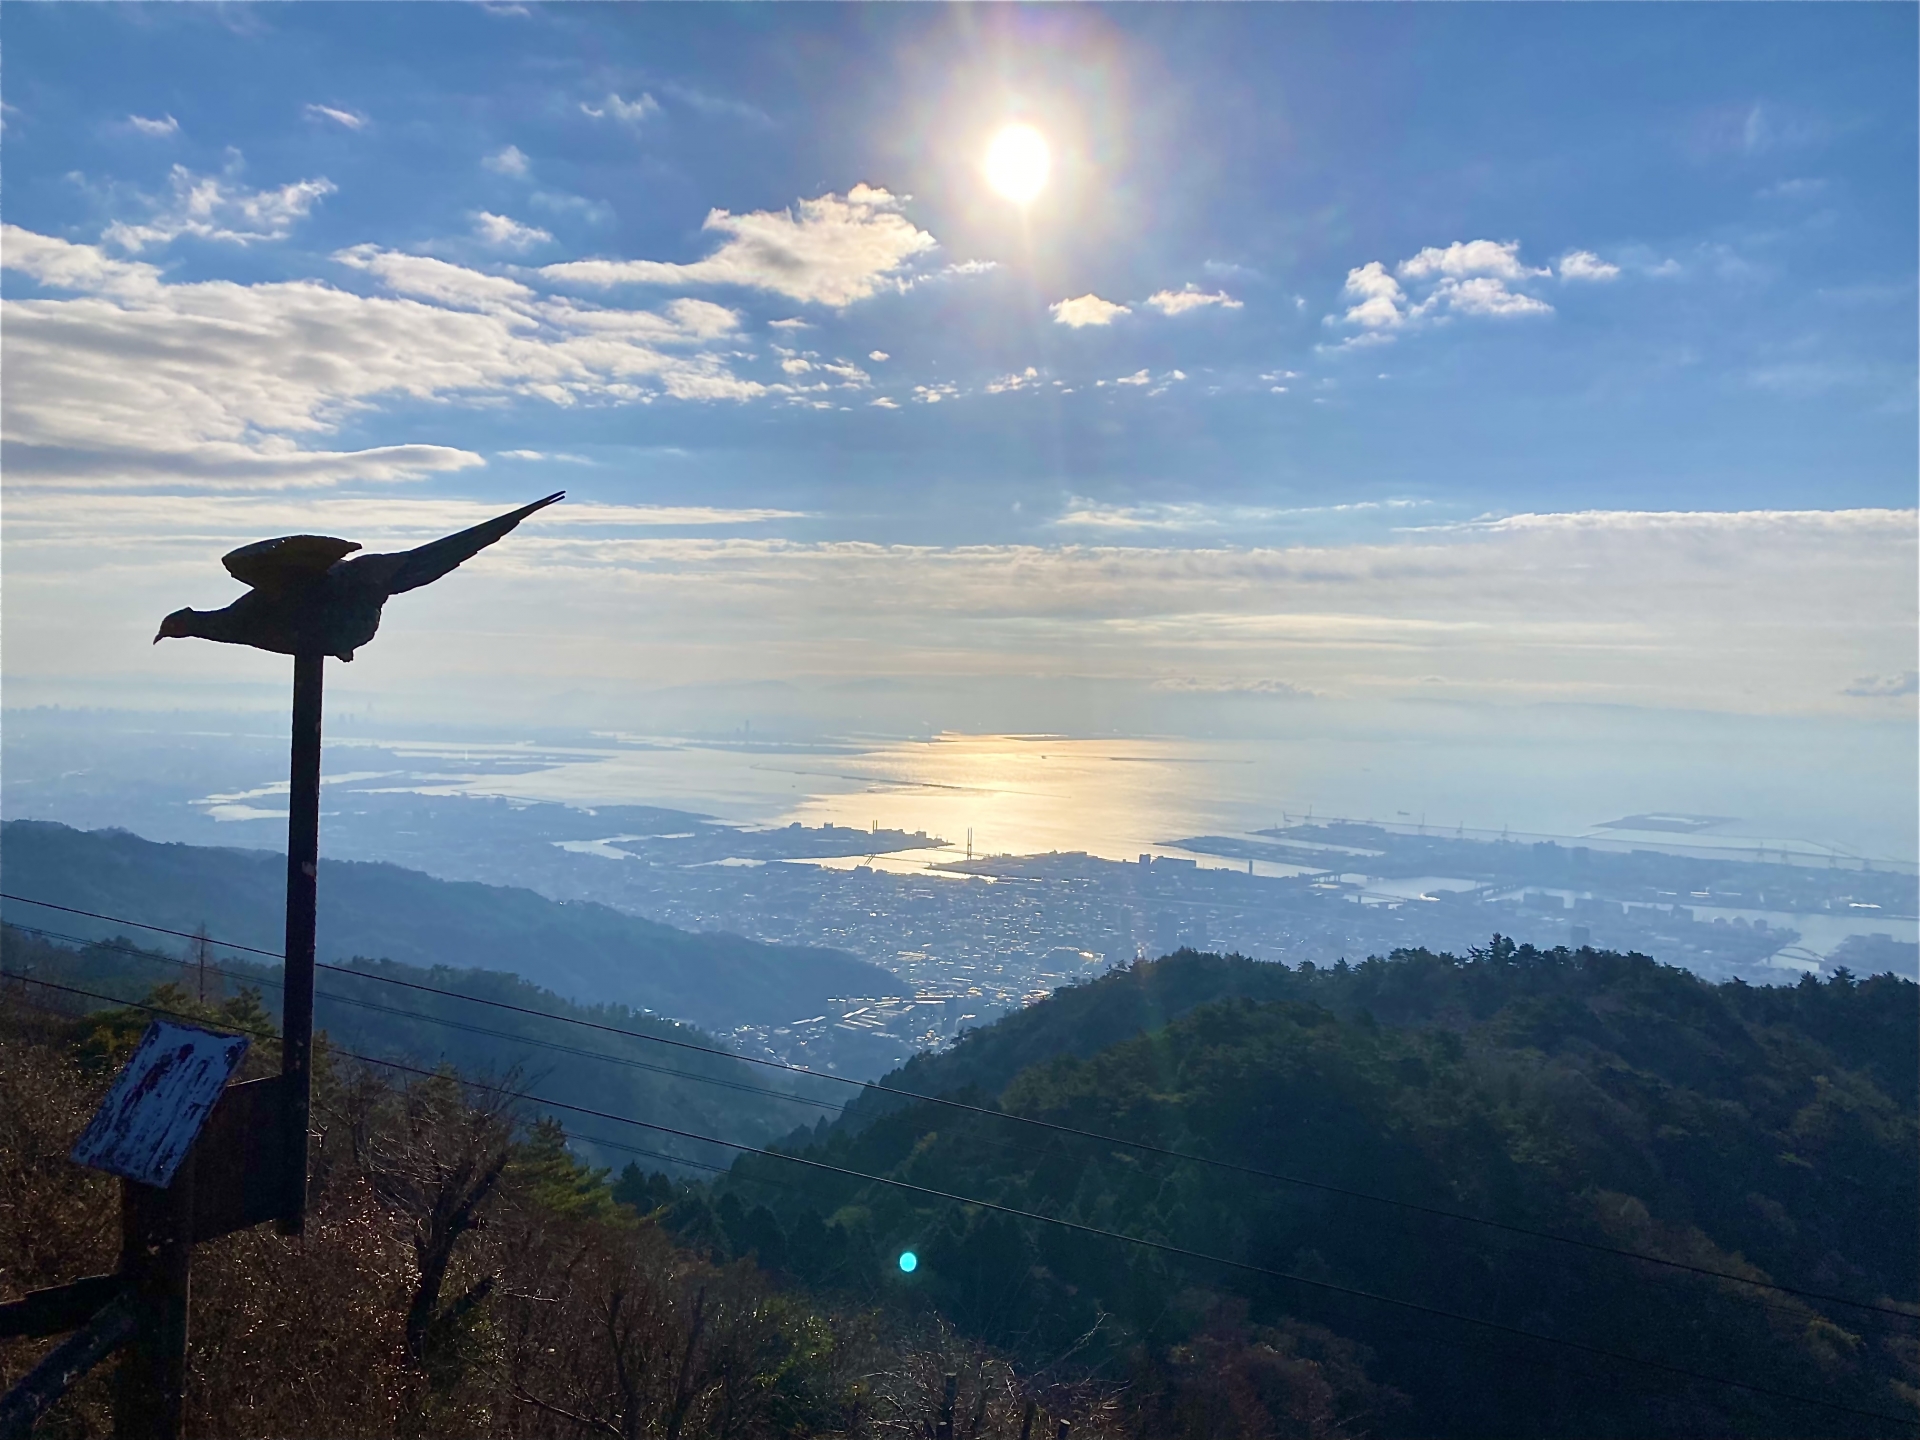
(1470, 278)
(165, 125)
(1191, 297)
(1585, 265)
(60, 264)
(792, 323)
(351, 119)
(1085, 310)
(1139, 377)
(439, 281)
(701, 319)
(1379, 296)
(1498, 258)
(832, 251)
(879, 355)
(134, 380)
(1019, 380)
(510, 161)
(883, 403)
(508, 233)
(934, 394)
(1485, 295)
(218, 207)
(632, 111)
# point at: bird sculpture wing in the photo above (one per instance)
(410, 569)
(274, 566)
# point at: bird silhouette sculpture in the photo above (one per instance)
(308, 598)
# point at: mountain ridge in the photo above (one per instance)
(583, 950)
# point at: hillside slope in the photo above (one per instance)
(584, 951)
(1765, 1133)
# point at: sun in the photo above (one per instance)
(1017, 163)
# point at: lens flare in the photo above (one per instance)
(909, 1262)
(1017, 163)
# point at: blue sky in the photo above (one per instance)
(1516, 353)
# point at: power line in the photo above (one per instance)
(1164, 1247)
(615, 1059)
(1141, 1146)
(511, 1037)
(414, 1015)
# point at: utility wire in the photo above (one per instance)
(414, 1015)
(636, 1064)
(1163, 1247)
(1141, 1146)
(511, 1037)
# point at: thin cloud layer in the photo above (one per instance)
(833, 251)
(219, 207)
(347, 119)
(631, 111)
(511, 160)
(1189, 298)
(1757, 612)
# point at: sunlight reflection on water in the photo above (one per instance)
(1117, 797)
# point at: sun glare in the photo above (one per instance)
(1017, 163)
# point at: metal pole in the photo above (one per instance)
(303, 861)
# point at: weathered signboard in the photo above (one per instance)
(160, 1103)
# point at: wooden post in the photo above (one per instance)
(1026, 1421)
(303, 862)
(110, 1328)
(945, 1432)
(156, 1256)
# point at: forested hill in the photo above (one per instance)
(1767, 1133)
(584, 951)
(1870, 1027)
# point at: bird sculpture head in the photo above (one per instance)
(177, 626)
